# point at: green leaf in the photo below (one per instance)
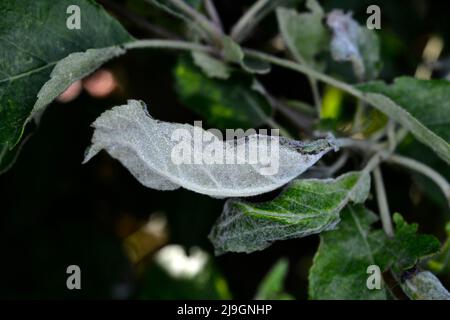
(407, 248)
(421, 106)
(34, 38)
(230, 103)
(354, 43)
(272, 286)
(424, 285)
(339, 269)
(212, 67)
(305, 207)
(233, 52)
(304, 34)
(340, 265)
(441, 262)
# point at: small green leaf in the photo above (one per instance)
(305, 207)
(34, 38)
(354, 43)
(407, 248)
(329, 279)
(340, 265)
(272, 286)
(230, 103)
(233, 52)
(304, 33)
(212, 67)
(421, 106)
(425, 286)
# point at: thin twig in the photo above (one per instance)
(240, 29)
(363, 145)
(303, 122)
(316, 95)
(415, 165)
(212, 12)
(262, 56)
(167, 44)
(305, 70)
(409, 163)
(391, 135)
(138, 20)
(275, 125)
(358, 118)
(200, 19)
(339, 163)
(382, 203)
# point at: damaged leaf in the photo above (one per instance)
(166, 156)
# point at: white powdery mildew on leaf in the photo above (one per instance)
(344, 45)
(70, 69)
(305, 207)
(354, 43)
(145, 145)
(425, 286)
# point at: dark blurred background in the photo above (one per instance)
(56, 212)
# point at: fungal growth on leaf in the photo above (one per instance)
(166, 156)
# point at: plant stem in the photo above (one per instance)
(412, 164)
(215, 34)
(392, 139)
(138, 20)
(409, 163)
(401, 134)
(183, 45)
(212, 12)
(305, 70)
(316, 95)
(167, 44)
(338, 164)
(382, 203)
(358, 118)
(275, 125)
(363, 145)
(197, 16)
(299, 106)
(240, 29)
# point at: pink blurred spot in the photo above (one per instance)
(100, 84)
(71, 92)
